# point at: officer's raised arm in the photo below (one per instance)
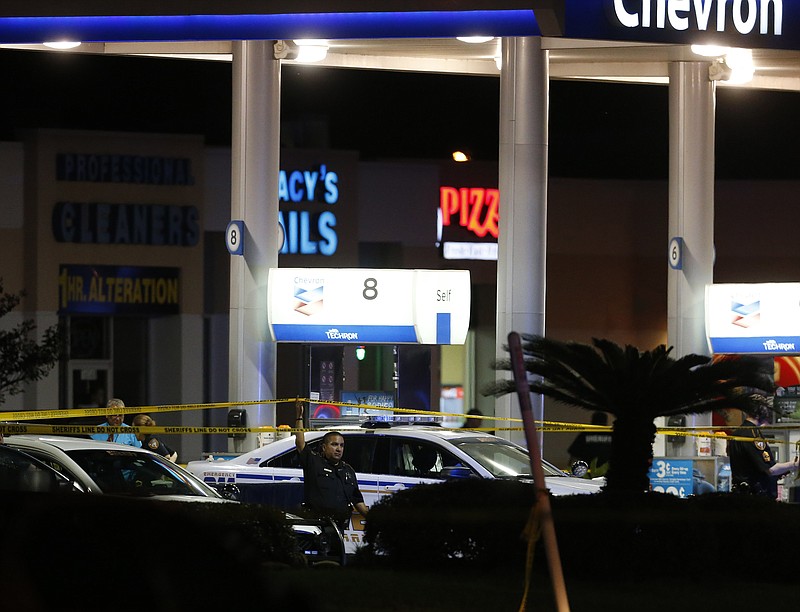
(299, 437)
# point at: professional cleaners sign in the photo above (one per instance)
(768, 24)
(362, 306)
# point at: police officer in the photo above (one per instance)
(151, 441)
(329, 484)
(753, 466)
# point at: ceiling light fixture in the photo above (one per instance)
(735, 66)
(710, 50)
(474, 39)
(311, 50)
(741, 64)
(62, 44)
(460, 156)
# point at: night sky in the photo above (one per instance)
(596, 130)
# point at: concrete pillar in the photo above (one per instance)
(522, 241)
(255, 151)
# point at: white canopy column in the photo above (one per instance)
(254, 199)
(691, 217)
(522, 241)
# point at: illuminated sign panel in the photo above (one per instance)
(770, 24)
(309, 232)
(112, 290)
(468, 222)
(368, 306)
(753, 318)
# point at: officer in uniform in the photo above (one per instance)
(151, 441)
(329, 484)
(753, 466)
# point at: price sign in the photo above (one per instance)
(363, 306)
(234, 237)
(672, 476)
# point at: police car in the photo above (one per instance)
(387, 458)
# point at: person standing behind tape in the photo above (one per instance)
(116, 420)
(150, 441)
(753, 466)
(330, 486)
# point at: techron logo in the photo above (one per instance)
(743, 16)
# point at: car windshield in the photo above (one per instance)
(501, 458)
(121, 472)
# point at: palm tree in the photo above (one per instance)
(635, 387)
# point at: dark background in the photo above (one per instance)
(597, 130)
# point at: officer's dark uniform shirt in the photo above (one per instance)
(751, 461)
(157, 446)
(329, 489)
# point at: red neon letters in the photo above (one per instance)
(475, 208)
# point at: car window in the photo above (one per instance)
(21, 473)
(51, 462)
(122, 472)
(500, 458)
(420, 458)
(359, 452)
(289, 459)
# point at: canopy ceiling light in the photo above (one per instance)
(311, 50)
(474, 39)
(734, 66)
(62, 44)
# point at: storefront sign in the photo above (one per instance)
(131, 169)
(311, 231)
(363, 306)
(114, 290)
(150, 224)
(753, 318)
(767, 24)
(468, 222)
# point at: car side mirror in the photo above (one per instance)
(452, 472)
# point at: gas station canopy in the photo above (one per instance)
(610, 40)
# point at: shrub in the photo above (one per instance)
(479, 523)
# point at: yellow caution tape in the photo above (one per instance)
(711, 431)
(30, 415)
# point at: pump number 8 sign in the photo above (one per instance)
(363, 305)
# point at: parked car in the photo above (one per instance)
(387, 458)
(21, 472)
(108, 468)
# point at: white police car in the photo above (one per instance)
(386, 459)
